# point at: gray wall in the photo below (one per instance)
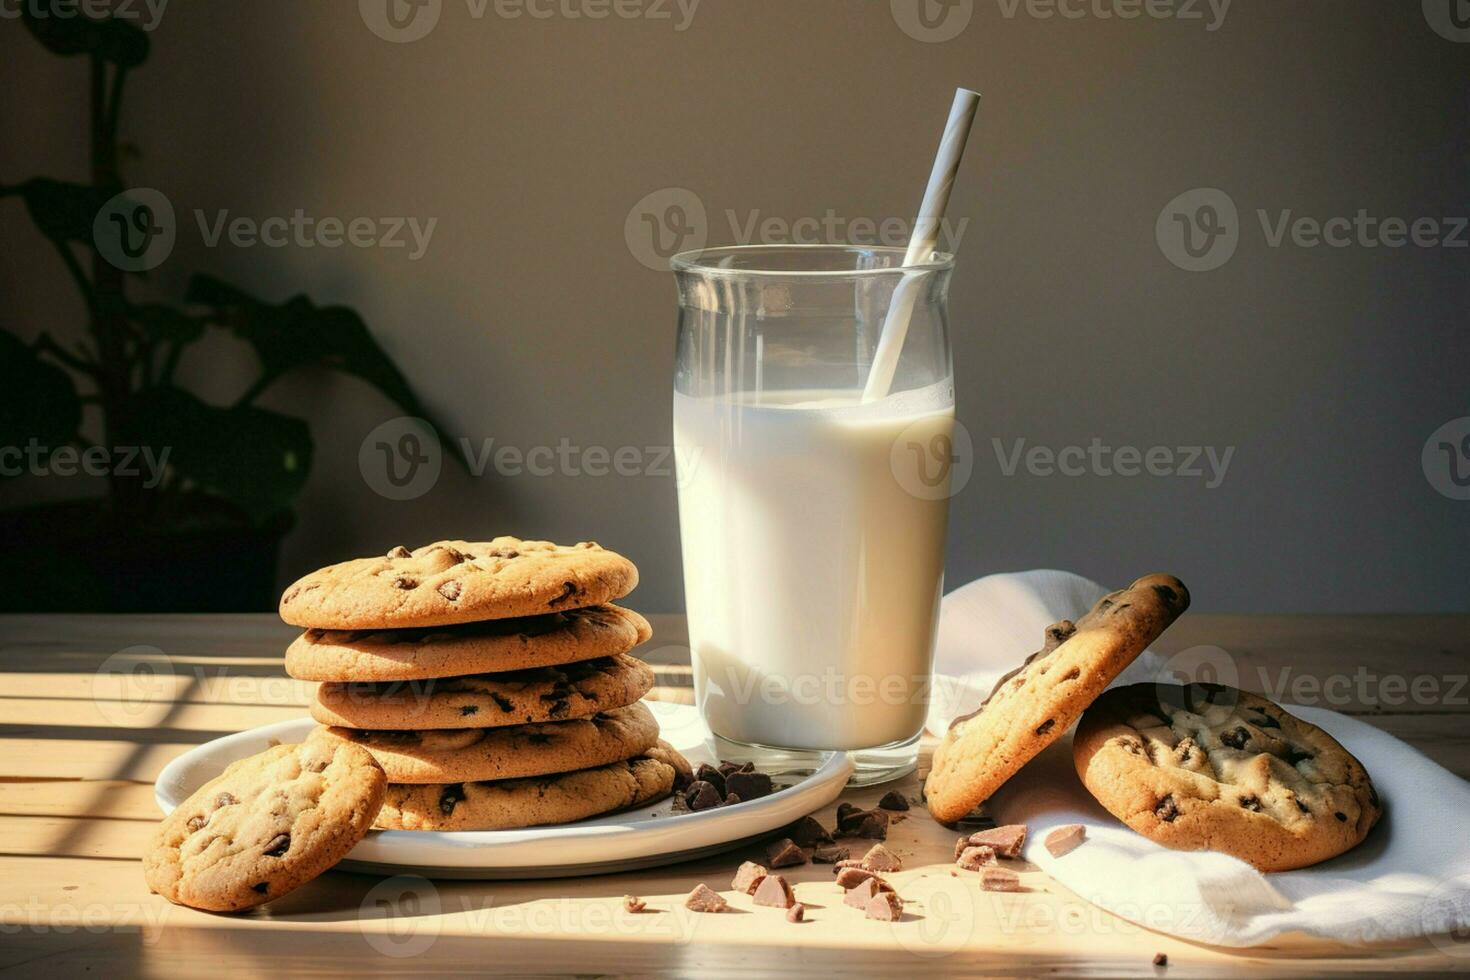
(529, 319)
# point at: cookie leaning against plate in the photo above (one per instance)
(460, 755)
(487, 700)
(485, 647)
(457, 582)
(1032, 706)
(534, 802)
(266, 825)
(1207, 767)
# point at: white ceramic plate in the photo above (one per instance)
(639, 838)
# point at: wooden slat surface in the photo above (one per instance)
(84, 730)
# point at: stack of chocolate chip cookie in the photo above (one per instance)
(490, 680)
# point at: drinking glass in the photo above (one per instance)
(812, 522)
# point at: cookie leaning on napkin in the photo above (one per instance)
(465, 686)
(1197, 767)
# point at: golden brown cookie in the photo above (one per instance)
(510, 803)
(1032, 706)
(266, 825)
(459, 755)
(457, 582)
(520, 697)
(485, 647)
(1207, 767)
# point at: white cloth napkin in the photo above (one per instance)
(1411, 877)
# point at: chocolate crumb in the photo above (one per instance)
(893, 800)
(1065, 839)
(829, 855)
(784, 854)
(1161, 959)
(632, 903)
(705, 899)
(797, 913)
(807, 832)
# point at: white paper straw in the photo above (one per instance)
(922, 242)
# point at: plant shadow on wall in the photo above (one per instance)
(198, 495)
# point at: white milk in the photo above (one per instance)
(812, 576)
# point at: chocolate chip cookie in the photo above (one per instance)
(1032, 706)
(487, 700)
(452, 582)
(485, 647)
(1207, 767)
(266, 825)
(511, 803)
(477, 754)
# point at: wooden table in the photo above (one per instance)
(78, 759)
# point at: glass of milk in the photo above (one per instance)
(812, 522)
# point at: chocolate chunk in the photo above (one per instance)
(506, 553)
(859, 895)
(728, 767)
(885, 907)
(844, 810)
(749, 785)
(830, 854)
(1294, 755)
(1263, 720)
(702, 795)
(807, 832)
(278, 846)
(559, 709)
(731, 799)
(961, 845)
(1341, 817)
(893, 800)
(852, 877)
(797, 913)
(405, 582)
(568, 590)
(871, 827)
(784, 854)
(1045, 726)
(1065, 839)
(747, 876)
(450, 797)
(846, 863)
(1006, 841)
(705, 899)
(880, 858)
(197, 823)
(1166, 809)
(999, 880)
(711, 775)
(225, 799)
(451, 589)
(502, 702)
(632, 903)
(976, 856)
(847, 826)
(468, 709)
(1185, 749)
(400, 552)
(1235, 738)
(1161, 959)
(1303, 807)
(1251, 803)
(261, 886)
(774, 892)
